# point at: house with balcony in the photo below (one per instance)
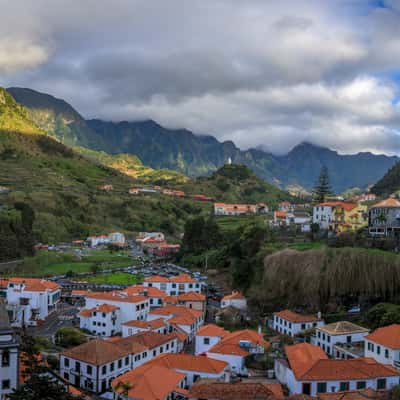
(384, 218)
(384, 345)
(103, 320)
(31, 300)
(340, 339)
(235, 347)
(307, 370)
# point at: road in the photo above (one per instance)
(62, 317)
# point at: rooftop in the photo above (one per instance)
(153, 324)
(295, 317)
(342, 328)
(388, 336)
(212, 330)
(35, 285)
(234, 296)
(116, 296)
(390, 203)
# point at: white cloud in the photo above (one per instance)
(260, 73)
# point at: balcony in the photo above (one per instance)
(396, 364)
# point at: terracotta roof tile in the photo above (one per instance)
(116, 296)
(192, 296)
(35, 285)
(295, 317)
(153, 324)
(212, 330)
(233, 296)
(342, 328)
(390, 202)
(388, 336)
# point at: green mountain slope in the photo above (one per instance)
(389, 183)
(63, 187)
(237, 183)
(194, 155)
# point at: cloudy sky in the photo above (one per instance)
(260, 72)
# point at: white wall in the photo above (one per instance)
(102, 324)
(9, 371)
(236, 363)
(290, 328)
(382, 354)
(322, 215)
(327, 341)
(240, 304)
(201, 347)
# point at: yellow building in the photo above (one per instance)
(349, 217)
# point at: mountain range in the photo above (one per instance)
(195, 155)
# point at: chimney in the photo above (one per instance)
(319, 315)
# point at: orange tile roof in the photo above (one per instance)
(143, 341)
(182, 320)
(154, 324)
(295, 317)
(177, 311)
(346, 206)
(103, 308)
(365, 394)
(150, 291)
(388, 336)
(234, 296)
(204, 389)
(96, 352)
(192, 296)
(149, 382)
(187, 362)
(115, 296)
(280, 214)
(390, 202)
(212, 330)
(171, 300)
(183, 278)
(310, 362)
(35, 285)
(230, 344)
(156, 278)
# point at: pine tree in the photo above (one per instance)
(322, 189)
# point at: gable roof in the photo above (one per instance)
(96, 352)
(149, 382)
(191, 296)
(177, 311)
(365, 394)
(212, 330)
(342, 328)
(390, 203)
(153, 324)
(388, 336)
(117, 296)
(35, 285)
(187, 362)
(234, 296)
(147, 291)
(345, 205)
(310, 362)
(295, 317)
(230, 344)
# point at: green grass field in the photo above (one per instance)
(115, 278)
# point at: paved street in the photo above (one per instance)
(62, 317)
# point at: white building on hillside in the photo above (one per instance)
(384, 345)
(117, 238)
(31, 300)
(343, 332)
(290, 323)
(308, 370)
(207, 337)
(235, 299)
(9, 354)
(174, 286)
(103, 320)
(159, 325)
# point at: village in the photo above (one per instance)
(168, 337)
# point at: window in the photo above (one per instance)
(174, 285)
(321, 387)
(119, 363)
(161, 349)
(151, 301)
(66, 376)
(386, 353)
(112, 367)
(103, 315)
(5, 384)
(89, 369)
(154, 353)
(361, 385)
(206, 340)
(144, 355)
(66, 362)
(328, 338)
(104, 369)
(5, 358)
(307, 388)
(378, 349)
(126, 360)
(381, 383)
(344, 386)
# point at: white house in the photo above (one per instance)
(117, 238)
(174, 286)
(31, 300)
(308, 370)
(159, 325)
(95, 241)
(207, 337)
(236, 346)
(131, 307)
(342, 332)
(9, 354)
(323, 213)
(384, 345)
(235, 299)
(156, 296)
(94, 364)
(290, 323)
(103, 320)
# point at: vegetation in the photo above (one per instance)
(322, 189)
(115, 278)
(69, 337)
(389, 183)
(326, 279)
(382, 314)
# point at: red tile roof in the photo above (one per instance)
(192, 296)
(234, 296)
(115, 296)
(346, 206)
(154, 324)
(35, 285)
(183, 278)
(149, 291)
(390, 202)
(156, 278)
(230, 344)
(310, 362)
(295, 317)
(388, 336)
(149, 382)
(212, 330)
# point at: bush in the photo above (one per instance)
(69, 337)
